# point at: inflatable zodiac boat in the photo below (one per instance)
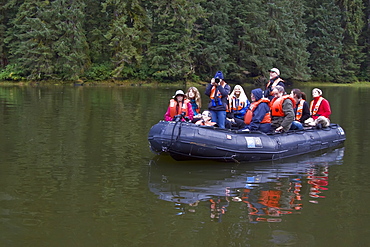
(184, 141)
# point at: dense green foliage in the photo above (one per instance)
(184, 40)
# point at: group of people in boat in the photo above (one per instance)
(270, 110)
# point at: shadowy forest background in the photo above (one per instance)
(184, 40)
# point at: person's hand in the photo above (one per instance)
(279, 129)
(213, 82)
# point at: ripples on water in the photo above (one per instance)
(76, 170)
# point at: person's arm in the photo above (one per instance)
(258, 115)
(245, 108)
(289, 114)
(325, 107)
(225, 91)
(208, 89)
(167, 115)
(190, 111)
(305, 112)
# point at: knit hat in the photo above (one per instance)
(277, 71)
(219, 75)
(257, 93)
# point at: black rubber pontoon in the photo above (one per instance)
(184, 141)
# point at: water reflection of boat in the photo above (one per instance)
(269, 190)
(184, 141)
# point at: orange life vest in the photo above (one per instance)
(176, 109)
(235, 104)
(299, 112)
(314, 109)
(249, 114)
(214, 94)
(277, 105)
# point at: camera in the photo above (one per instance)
(178, 118)
(217, 80)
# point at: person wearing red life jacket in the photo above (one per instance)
(319, 109)
(178, 106)
(274, 81)
(218, 91)
(301, 109)
(282, 113)
(257, 117)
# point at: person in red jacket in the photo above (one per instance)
(319, 109)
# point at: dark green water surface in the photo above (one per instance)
(76, 170)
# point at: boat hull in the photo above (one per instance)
(184, 141)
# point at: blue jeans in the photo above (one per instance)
(219, 117)
(296, 126)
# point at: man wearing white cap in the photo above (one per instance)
(274, 81)
(179, 106)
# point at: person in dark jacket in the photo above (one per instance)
(274, 81)
(258, 116)
(218, 91)
(301, 109)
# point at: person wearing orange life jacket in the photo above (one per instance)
(282, 113)
(274, 81)
(206, 119)
(238, 102)
(257, 117)
(301, 109)
(179, 105)
(217, 91)
(319, 109)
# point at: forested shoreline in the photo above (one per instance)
(184, 40)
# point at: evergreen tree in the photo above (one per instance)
(128, 35)
(173, 40)
(364, 41)
(30, 40)
(325, 35)
(287, 38)
(250, 38)
(214, 43)
(3, 27)
(352, 22)
(97, 21)
(71, 47)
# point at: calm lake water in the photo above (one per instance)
(76, 170)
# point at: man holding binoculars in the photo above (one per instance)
(217, 91)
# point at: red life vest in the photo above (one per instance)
(249, 114)
(299, 112)
(277, 105)
(176, 109)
